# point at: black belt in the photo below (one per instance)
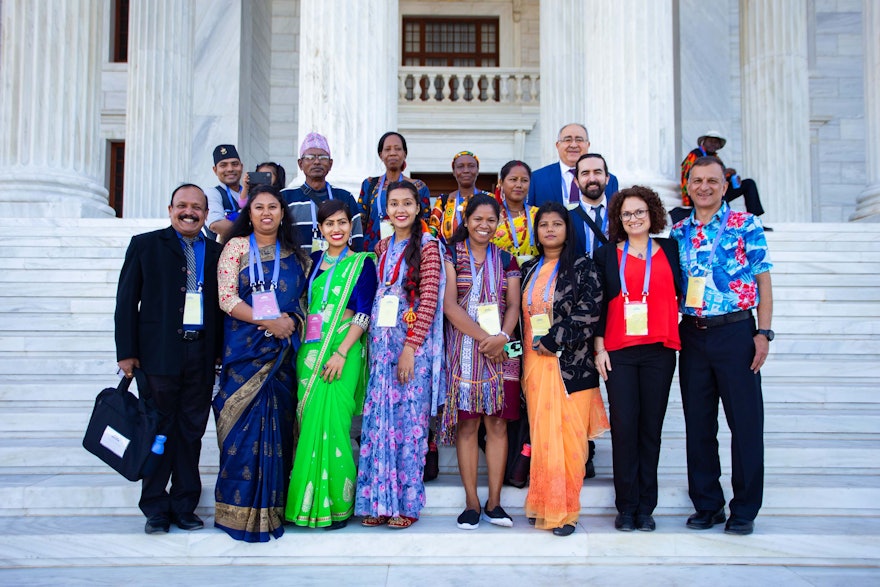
(702, 323)
(190, 335)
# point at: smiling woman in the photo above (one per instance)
(446, 215)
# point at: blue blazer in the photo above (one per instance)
(546, 185)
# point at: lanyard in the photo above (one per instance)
(488, 265)
(233, 201)
(458, 205)
(549, 281)
(328, 283)
(383, 264)
(314, 207)
(623, 287)
(529, 227)
(591, 238)
(714, 245)
(378, 200)
(200, 262)
(565, 187)
(255, 260)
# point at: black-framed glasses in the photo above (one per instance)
(309, 157)
(637, 214)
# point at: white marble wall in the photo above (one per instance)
(256, 59)
(284, 81)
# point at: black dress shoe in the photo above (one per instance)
(705, 519)
(157, 523)
(566, 530)
(624, 522)
(188, 522)
(645, 523)
(337, 525)
(739, 526)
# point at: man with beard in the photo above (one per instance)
(225, 200)
(589, 215)
(557, 181)
(315, 163)
(168, 324)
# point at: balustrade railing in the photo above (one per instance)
(468, 85)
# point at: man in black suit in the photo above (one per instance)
(168, 323)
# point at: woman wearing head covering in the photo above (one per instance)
(446, 215)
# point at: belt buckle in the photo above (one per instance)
(190, 335)
(701, 323)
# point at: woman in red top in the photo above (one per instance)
(635, 345)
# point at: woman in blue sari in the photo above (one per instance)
(261, 278)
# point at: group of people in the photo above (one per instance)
(318, 307)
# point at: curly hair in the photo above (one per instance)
(656, 211)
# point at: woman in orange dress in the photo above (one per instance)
(561, 299)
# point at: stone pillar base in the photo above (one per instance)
(53, 196)
(868, 205)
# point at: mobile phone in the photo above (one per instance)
(260, 178)
(514, 349)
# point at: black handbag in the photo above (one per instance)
(122, 428)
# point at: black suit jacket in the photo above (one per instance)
(150, 299)
(609, 273)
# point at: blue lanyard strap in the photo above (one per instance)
(488, 269)
(328, 283)
(535, 279)
(379, 205)
(233, 201)
(591, 238)
(255, 260)
(384, 263)
(714, 244)
(623, 288)
(529, 227)
(314, 207)
(458, 205)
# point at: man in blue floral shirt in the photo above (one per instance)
(726, 267)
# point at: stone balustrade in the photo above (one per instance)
(469, 85)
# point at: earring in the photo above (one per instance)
(349, 240)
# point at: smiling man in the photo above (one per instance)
(315, 163)
(556, 182)
(168, 324)
(590, 216)
(225, 199)
(725, 264)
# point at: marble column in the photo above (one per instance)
(51, 152)
(564, 47)
(349, 57)
(776, 106)
(630, 98)
(157, 126)
(868, 203)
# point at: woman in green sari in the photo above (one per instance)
(331, 368)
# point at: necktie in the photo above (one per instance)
(190, 254)
(597, 215)
(574, 194)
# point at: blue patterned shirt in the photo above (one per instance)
(741, 255)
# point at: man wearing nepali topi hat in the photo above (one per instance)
(224, 199)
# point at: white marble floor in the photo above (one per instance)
(451, 575)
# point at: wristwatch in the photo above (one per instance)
(767, 333)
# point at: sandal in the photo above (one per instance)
(373, 521)
(401, 522)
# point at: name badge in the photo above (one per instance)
(635, 315)
(489, 318)
(385, 229)
(388, 307)
(318, 245)
(695, 292)
(540, 327)
(314, 325)
(523, 259)
(265, 306)
(192, 309)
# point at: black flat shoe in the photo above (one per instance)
(645, 523)
(532, 521)
(739, 527)
(337, 525)
(624, 522)
(157, 523)
(705, 519)
(566, 530)
(188, 522)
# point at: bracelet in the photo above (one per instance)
(599, 352)
(344, 357)
(505, 335)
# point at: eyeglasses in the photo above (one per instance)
(638, 214)
(310, 158)
(569, 140)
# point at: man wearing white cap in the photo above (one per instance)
(708, 145)
(315, 163)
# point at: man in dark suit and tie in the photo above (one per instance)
(590, 215)
(557, 180)
(168, 323)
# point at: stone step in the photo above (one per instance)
(84, 494)
(817, 454)
(94, 541)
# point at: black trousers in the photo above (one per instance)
(748, 189)
(715, 364)
(638, 392)
(184, 404)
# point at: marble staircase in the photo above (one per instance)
(61, 507)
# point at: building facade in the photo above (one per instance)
(106, 105)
